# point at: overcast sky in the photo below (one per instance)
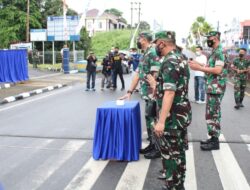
(177, 15)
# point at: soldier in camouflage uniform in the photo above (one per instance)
(215, 85)
(241, 67)
(149, 64)
(174, 110)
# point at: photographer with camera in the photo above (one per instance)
(91, 71)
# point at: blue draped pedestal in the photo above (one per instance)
(117, 131)
(13, 66)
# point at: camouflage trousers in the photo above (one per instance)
(173, 157)
(239, 90)
(150, 113)
(213, 114)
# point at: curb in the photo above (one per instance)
(7, 85)
(31, 93)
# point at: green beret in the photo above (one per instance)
(165, 35)
(146, 35)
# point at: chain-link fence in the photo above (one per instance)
(37, 57)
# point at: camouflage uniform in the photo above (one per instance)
(174, 76)
(216, 86)
(240, 80)
(149, 63)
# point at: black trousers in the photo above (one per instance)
(118, 72)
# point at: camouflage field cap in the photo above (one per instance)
(213, 33)
(146, 35)
(165, 35)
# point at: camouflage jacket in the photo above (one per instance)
(149, 63)
(216, 84)
(242, 65)
(174, 75)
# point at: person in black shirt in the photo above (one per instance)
(106, 71)
(117, 68)
(91, 71)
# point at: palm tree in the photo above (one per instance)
(199, 28)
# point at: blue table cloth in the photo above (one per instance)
(117, 131)
(13, 66)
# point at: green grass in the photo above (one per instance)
(103, 41)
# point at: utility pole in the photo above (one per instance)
(28, 21)
(131, 26)
(139, 12)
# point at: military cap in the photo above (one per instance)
(213, 33)
(165, 35)
(146, 35)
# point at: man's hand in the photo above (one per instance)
(126, 96)
(194, 65)
(151, 80)
(159, 129)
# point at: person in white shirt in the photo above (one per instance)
(199, 77)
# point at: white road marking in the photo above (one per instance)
(43, 172)
(134, 175)
(39, 91)
(246, 139)
(25, 95)
(190, 182)
(229, 170)
(35, 99)
(10, 99)
(50, 88)
(87, 176)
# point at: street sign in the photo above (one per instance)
(38, 35)
(21, 46)
(57, 30)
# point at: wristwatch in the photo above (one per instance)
(130, 92)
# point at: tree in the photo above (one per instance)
(13, 20)
(85, 42)
(144, 25)
(117, 13)
(114, 12)
(198, 29)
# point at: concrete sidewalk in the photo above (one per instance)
(39, 80)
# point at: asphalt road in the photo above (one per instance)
(46, 143)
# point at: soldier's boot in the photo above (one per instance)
(147, 149)
(241, 105)
(237, 106)
(206, 141)
(212, 144)
(154, 153)
(177, 188)
(150, 147)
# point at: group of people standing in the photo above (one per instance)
(112, 67)
(164, 74)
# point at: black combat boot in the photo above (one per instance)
(212, 144)
(150, 147)
(147, 149)
(206, 141)
(241, 105)
(153, 154)
(237, 106)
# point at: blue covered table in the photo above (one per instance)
(13, 65)
(117, 131)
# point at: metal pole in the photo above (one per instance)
(28, 21)
(43, 52)
(74, 51)
(139, 16)
(53, 52)
(131, 27)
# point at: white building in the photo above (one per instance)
(96, 22)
